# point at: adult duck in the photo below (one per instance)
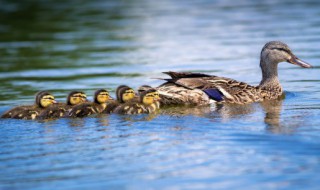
(185, 88)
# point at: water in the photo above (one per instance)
(60, 46)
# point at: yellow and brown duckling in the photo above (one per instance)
(97, 106)
(144, 88)
(124, 94)
(147, 104)
(43, 100)
(61, 109)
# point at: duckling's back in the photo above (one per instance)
(22, 112)
(55, 111)
(84, 109)
(131, 108)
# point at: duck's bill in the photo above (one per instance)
(296, 61)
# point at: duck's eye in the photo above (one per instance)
(282, 49)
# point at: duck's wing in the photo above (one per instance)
(222, 89)
(175, 75)
(182, 89)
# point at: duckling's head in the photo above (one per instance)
(143, 88)
(76, 97)
(101, 96)
(44, 99)
(275, 52)
(149, 97)
(124, 93)
(156, 95)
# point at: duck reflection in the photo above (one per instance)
(272, 113)
(225, 112)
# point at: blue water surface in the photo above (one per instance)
(62, 46)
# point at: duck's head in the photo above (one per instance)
(124, 93)
(275, 52)
(76, 97)
(101, 96)
(149, 97)
(44, 99)
(143, 88)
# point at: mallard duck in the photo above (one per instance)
(43, 100)
(187, 88)
(147, 104)
(101, 97)
(60, 109)
(124, 94)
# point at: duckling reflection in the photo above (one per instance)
(200, 111)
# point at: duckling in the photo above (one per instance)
(43, 100)
(61, 109)
(101, 97)
(124, 94)
(147, 104)
(144, 88)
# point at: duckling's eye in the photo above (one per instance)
(104, 94)
(48, 98)
(129, 92)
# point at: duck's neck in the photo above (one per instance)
(269, 75)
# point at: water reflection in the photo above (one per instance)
(272, 111)
(228, 112)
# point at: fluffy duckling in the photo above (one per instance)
(61, 109)
(124, 94)
(42, 101)
(147, 104)
(97, 106)
(144, 88)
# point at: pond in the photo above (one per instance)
(62, 46)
